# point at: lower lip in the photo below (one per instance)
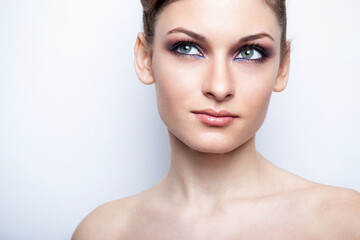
(214, 121)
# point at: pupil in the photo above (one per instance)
(248, 53)
(186, 48)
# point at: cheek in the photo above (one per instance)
(175, 86)
(255, 91)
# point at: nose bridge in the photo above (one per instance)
(219, 84)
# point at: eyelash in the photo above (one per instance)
(262, 50)
(265, 54)
(173, 49)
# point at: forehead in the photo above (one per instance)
(214, 18)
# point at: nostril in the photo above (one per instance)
(210, 95)
(219, 97)
(228, 97)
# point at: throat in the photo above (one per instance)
(209, 179)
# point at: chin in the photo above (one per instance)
(214, 144)
(213, 149)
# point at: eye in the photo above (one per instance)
(188, 49)
(249, 53)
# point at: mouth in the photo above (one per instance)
(214, 118)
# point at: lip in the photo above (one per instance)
(214, 118)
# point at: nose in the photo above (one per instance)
(218, 84)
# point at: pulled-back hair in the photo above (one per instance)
(152, 8)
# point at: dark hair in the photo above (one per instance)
(152, 8)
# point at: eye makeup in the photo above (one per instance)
(264, 51)
(193, 50)
(174, 48)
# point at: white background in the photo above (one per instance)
(78, 129)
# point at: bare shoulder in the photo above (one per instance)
(108, 221)
(337, 211)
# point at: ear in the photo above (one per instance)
(143, 60)
(283, 74)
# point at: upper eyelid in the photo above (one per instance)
(193, 44)
(255, 47)
(204, 52)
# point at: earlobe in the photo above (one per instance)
(283, 74)
(143, 60)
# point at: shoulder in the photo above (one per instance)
(108, 221)
(337, 211)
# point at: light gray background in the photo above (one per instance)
(78, 129)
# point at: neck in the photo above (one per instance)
(204, 178)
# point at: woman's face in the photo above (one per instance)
(217, 55)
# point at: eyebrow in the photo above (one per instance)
(192, 34)
(202, 38)
(255, 37)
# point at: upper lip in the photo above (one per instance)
(212, 112)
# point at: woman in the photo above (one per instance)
(215, 65)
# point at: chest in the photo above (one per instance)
(244, 223)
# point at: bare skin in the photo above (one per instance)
(218, 185)
(285, 206)
(292, 208)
